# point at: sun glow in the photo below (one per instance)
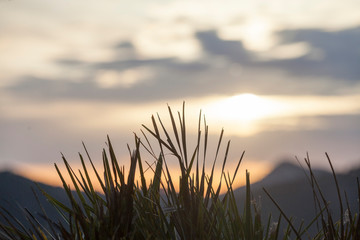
(245, 107)
(247, 114)
(241, 112)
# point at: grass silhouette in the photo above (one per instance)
(157, 209)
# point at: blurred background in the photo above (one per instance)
(281, 77)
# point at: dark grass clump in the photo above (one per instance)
(141, 208)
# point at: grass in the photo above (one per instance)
(154, 208)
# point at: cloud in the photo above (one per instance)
(225, 68)
(232, 50)
(333, 54)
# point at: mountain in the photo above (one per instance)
(289, 186)
(17, 194)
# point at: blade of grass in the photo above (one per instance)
(339, 197)
(283, 214)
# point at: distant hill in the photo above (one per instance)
(17, 193)
(289, 186)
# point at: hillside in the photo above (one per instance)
(17, 193)
(291, 189)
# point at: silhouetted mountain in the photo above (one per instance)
(289, 185)
(17, 194)
(286, 172)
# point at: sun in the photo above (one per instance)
(244, 107)
(243, 112)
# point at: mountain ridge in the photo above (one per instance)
(18, 193)
(289, 185)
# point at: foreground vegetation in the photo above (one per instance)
(156, 208)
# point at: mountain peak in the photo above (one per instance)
(287, 166)
(285, 171)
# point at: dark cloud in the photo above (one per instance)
(226, 68)
(171, 80)
(124, 45)
(334, 54)
(71, 62)
(132, 63)
(233, 50)
(338, 54)
(43, 89)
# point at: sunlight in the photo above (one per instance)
(240, 113)
(247, 114)
(244, 107)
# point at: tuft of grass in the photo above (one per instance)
(346, 228)
(156, 208)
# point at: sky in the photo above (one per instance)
(281, 77)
